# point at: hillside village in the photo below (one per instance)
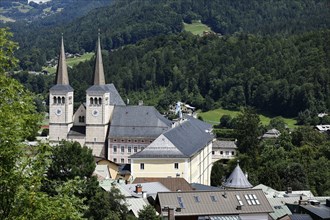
(163, 163)
(164, 110)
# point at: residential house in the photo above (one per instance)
(223, 150)
(183, 151)
(247, 204)
(272, 133)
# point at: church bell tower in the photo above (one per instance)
(60, 102)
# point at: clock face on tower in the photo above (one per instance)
(95, 112)
(58, 112)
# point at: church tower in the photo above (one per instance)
(98, 108)
(60, 102)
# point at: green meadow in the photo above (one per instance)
(71, 62)
(196, 27)
(213, 117)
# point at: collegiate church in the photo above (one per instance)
(103, 123)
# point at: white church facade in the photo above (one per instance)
(104, 123)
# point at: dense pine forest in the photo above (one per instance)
(270, 55)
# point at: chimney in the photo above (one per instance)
(140, 102)
(289, 190)
(144, 194)
(171, 214)
(327, 202)
(138, 188)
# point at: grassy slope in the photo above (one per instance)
(213, 117)
(71, 62)
(196, 27)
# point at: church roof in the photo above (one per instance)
(182, 141)
(237, 180)
(138, 121)
(115, 98)
(99, 71)
(62, 79)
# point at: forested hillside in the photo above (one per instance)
(126, 22)
(272, 55)
(280, 75)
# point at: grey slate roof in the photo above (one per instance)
(237, 179)
(224, 144)
(183, 141)
(61, 89)
(189, 137)
(115, 98)
(138, 121)
(225, 203)
(77, 131)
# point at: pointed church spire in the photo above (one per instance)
(62, 71)
(99, 72)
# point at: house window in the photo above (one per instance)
(122, 149)
(115, 149)
(129, 161)
(135, 149)
(141, 166)
(176, 165)
(129, 149)
(122, 160)
(81, 118)
(115, 160)
(213, 152)
(233, 153)
(221, 152)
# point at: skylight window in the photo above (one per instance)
(239, 200)
(197, 199)
(213, 198)
(180, 200)
(252, 199)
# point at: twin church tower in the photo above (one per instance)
(90, 122)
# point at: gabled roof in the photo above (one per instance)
(272, 133)
(173, 184)
(190, 136)
(136, 205)
(115, 98)
(225, 202)
(182, 141)
(151, 189)
(137, 121)
(237, 179)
